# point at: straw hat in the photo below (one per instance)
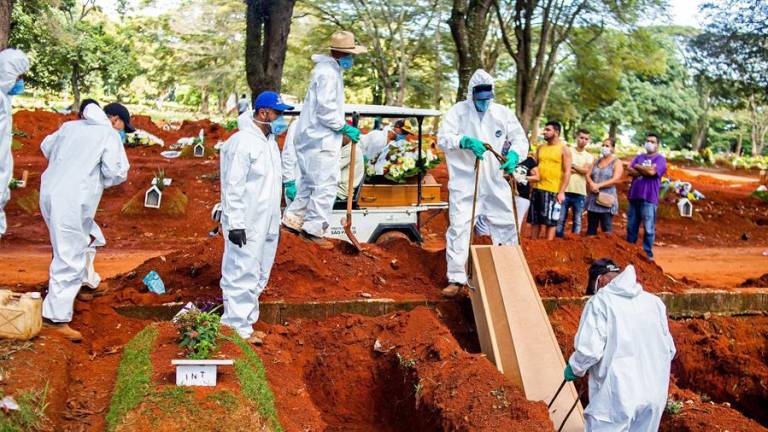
(344, 41)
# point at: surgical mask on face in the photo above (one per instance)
(17, 89)
(607, 151)
(399, 137)
(122, 136)
(346, 62)
(278, 125)
(482, 104)
(650, 147)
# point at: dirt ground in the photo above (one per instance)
(326, 374)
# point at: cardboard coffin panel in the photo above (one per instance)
(515, 332)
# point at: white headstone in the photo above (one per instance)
(198, 372)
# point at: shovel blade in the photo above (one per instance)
(350, 235)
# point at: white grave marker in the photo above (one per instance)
(198, 372)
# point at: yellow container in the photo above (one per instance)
(20, 315)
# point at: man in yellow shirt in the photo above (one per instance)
(554, 161)
(576, 192)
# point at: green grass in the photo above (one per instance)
(254, 385)
(224, 398)
(761, 195)
(134, 376)
(31, 413)
(16, 145)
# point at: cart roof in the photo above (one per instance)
(380, 111)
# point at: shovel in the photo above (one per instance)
(347, 221)
(513, 187)
(568, 414)
(472, 224)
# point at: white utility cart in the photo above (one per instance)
(373, 218)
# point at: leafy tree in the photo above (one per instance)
(72, 45)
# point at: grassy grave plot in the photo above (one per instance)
(146, 397)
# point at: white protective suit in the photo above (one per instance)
(374, 142)
(289, 162)
(251, 189)
(13, 63)
(494, 197)
(624, 343)
(84, 157)
(317, 144)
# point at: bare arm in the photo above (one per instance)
(646, 171)
(534, 177)
(567, 160)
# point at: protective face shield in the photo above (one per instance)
(607, 151)
(651, 147)
(279, 125)
(17, 89)
(346, 61)
(482, 96)
(122, 135)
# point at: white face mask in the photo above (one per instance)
(650, 147)
(607, 151)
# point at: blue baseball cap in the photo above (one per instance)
(270, 100)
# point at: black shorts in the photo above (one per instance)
(543, 205)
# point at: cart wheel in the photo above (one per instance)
(390, 236)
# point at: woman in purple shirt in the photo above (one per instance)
(646, 171)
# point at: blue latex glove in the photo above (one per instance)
(350, 132)
(568, 373)
(289, 188)
(509, 166)
(473, 144)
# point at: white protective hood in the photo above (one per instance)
(480, 77)
(625, 284)
(13, 63)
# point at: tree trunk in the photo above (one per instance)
(6, 7)
(739, 143)
(268, 23)
(702, 125)
(75, 83)
(469, 28)
(753, 117)
(204, 102)
(613, 130)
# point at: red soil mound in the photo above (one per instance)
(560, 266)
(760, 282)
(327, 376)
(700, 416)
(302, 272)
(725, 358)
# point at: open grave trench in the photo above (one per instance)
(328, 371)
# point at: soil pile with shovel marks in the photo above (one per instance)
(302, 273)
(402, 371)
(560, 267)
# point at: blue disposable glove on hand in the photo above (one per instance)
(474, 144)
(509, 166)
(568, 373)
(289, 189)
(350, 132)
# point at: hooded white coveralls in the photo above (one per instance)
(494, 197)
(251, 189)
(289, 164)
(624, 343)
(13, 63)
(84, 157)
(317, 145)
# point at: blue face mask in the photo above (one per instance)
(17, 89)
(399, 137)
(482, 104)
(346, 62)
(278, 125)
(122, 136)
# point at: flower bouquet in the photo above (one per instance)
(681, 188)
(399, 162)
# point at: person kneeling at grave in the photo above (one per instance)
(624, 343)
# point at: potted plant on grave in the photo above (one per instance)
(198, 335)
